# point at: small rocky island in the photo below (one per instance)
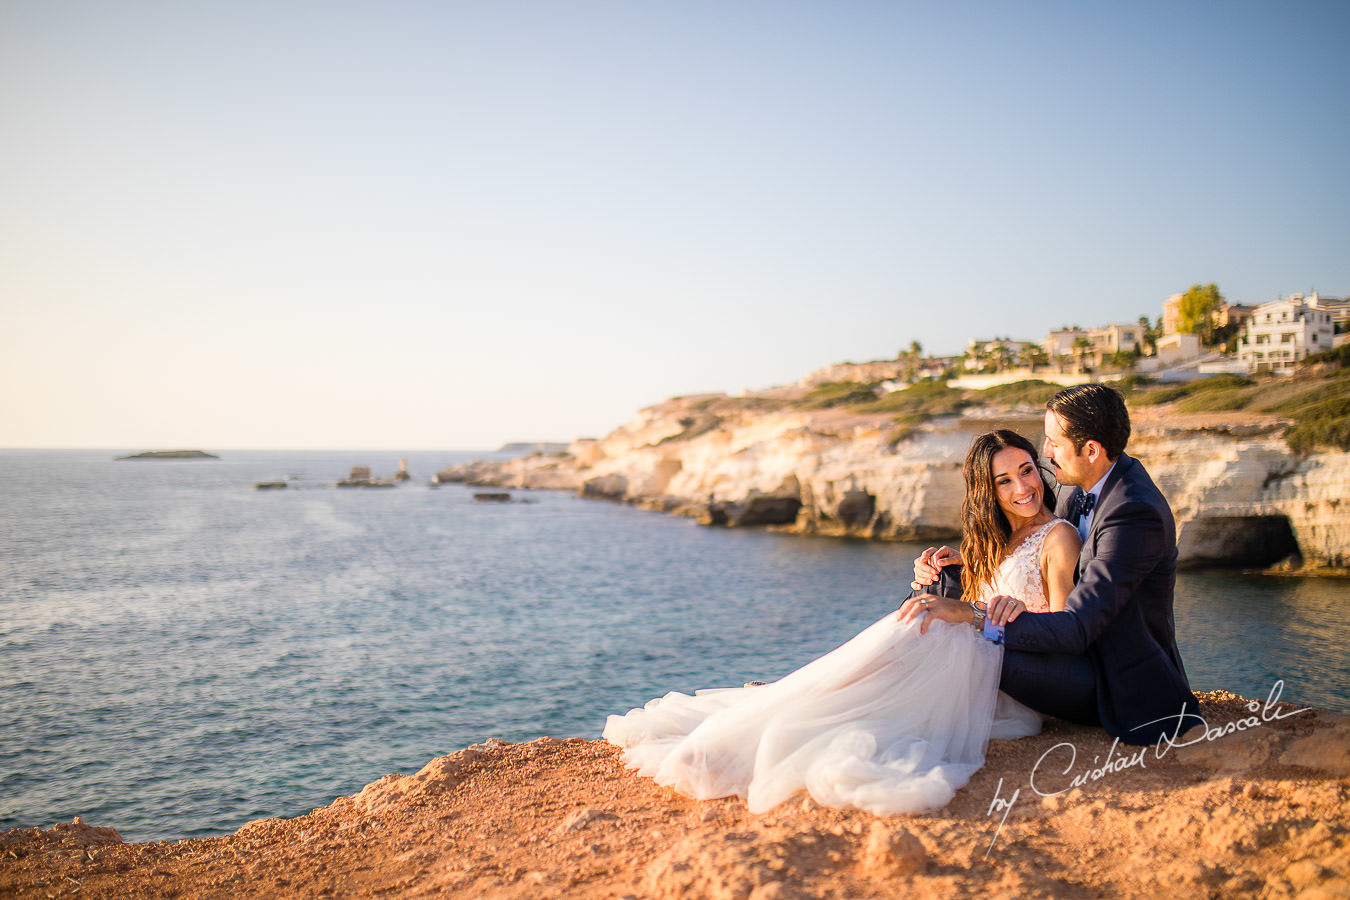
(171, 454)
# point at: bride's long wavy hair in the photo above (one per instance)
(985, 530)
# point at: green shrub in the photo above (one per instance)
(1324, 424)
(838, 393)
(1284, 403)
(1338, 358)
(1028, 392)
(1133, 383)
(917, 402)
(753, 403)
(1223, 382)
(705, 403)
(693, 426)
(1214, 401)
(1164, 395)
(1213, 394)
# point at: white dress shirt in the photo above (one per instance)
(1085, 523)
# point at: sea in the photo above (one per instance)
(181, 653)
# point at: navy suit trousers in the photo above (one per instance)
(1055, 684)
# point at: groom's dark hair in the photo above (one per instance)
(1093, 412)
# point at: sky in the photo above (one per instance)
(443, 225)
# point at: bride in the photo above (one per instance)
(895, 720)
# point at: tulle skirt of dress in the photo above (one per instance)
(893, 721)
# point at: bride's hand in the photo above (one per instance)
(930, 563)
(1002, 610)
(930, 607)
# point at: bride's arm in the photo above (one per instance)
(1059, 558)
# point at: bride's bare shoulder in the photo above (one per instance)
(1062, 539)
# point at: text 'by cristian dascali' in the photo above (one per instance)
(1049, 777)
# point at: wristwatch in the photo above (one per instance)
(979, 609)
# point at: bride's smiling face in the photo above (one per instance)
(1017, 485)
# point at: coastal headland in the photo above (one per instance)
(1255, 804)
(839, 458)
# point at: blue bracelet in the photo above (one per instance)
(987, 629)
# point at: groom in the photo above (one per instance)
(1110, 658)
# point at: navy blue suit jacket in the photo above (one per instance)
(1120, 611)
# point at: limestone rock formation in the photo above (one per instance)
(1241, 497)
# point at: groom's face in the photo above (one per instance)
(1071, 467)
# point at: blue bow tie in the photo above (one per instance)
(1081, 506)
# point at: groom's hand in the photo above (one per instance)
(1002, 610)
(930, 563)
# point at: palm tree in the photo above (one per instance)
(909, 361)
(1148, 337)
(1032, 356)
(1081, 348)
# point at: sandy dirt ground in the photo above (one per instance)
(1261, 810)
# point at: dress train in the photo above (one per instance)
(893, 721)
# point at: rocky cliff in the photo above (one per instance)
(1256, 806)
(1240, 495)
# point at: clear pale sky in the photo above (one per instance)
(448, 225)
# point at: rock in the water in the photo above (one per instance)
(607, 487)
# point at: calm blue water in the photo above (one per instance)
(180, 654)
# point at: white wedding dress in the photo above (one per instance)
(893, 721)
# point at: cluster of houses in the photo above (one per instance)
(1271, 337)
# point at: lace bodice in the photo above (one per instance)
(1019, 575)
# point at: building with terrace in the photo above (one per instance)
(1282, 332)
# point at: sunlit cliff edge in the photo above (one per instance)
(1253, 805)
(1240, 495)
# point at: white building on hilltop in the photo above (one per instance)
(1281, 333)
(1063, 346)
